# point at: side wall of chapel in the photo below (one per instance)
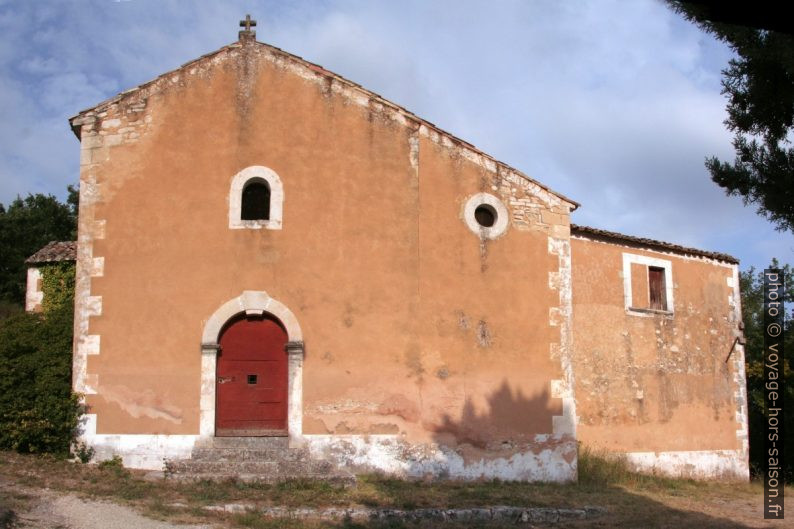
(665, 387)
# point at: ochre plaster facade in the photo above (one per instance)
(659, 386)
(425, 348)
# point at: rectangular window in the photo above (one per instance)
(647, 284)
(656, 288)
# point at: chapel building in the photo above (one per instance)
(271, 257)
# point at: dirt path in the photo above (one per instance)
(48, 510)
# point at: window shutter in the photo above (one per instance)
(657, 288)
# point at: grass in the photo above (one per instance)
(605, 481)
(598, 468)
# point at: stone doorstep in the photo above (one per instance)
(266, 459)
(243, 454)
(549, 515)
(265, 468)
(261, 443)
(225, 467)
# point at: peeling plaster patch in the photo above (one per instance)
(463, 320)
(400, 406)
(554, 462)
(345, 406)
(141, 403)
(483, 334)
(383, 428)
(697, 464)
(315, 424)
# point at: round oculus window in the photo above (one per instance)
(485, 215)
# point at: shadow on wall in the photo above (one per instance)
(510, 418)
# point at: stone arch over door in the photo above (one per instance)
(252, 302)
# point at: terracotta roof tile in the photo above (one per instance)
(55, 251)
(596, 233)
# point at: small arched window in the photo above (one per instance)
(256, 201)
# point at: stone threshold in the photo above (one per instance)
(547, 515)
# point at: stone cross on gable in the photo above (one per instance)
(248, 23)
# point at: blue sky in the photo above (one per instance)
(614, 103)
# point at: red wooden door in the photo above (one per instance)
(251, 379)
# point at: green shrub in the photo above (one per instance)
(38, 411)
(114, 465)
(83, 452)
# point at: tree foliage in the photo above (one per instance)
(759, 84)
(752, 287)
(38, 411)
(25, 227)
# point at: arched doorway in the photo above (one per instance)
(251, 377)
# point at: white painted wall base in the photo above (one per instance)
(137, 451)
(365, 453)
(554, 462)
(697, 464)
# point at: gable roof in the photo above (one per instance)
(55, 251)
(76, 122)
(651, 244)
